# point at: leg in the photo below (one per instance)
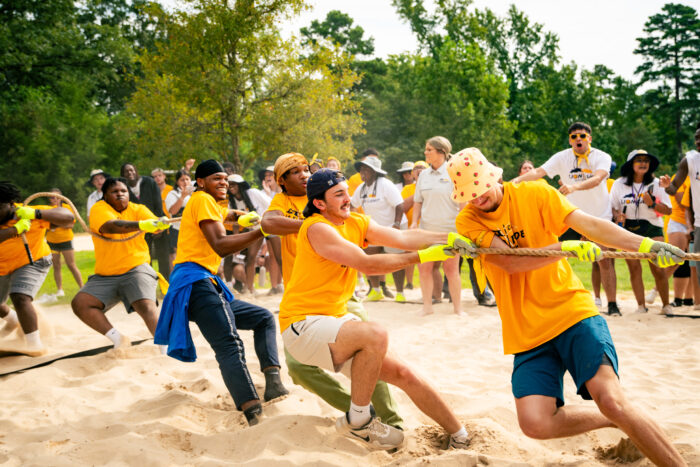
(57, 276)
(635, 269)
(437, 282)
(399, 278)
(596, 280)
(319, 382)
(90, 310)
(451, 267)
(374, 280)
(609, 279)
(252, 317)
(661, 280)
(409, 275)
(228, 268)
(607, 393)
(214, 317)
(25, 312)
(426, 398)
(425, 275)
(148, 311)
(250, 260)
(540, 418)
(162, 247)
(69, 256)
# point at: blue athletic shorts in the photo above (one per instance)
(581, 350)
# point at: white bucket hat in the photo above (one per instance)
(372, 162)
(406, 166)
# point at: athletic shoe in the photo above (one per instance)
(387, 293)
(598, 302)
(459, 443)
(667, 310)
(374, 296)
(613, 310)
(253, 414)
(400, 298)
(651, 296)
(408, 286)
(641, 309)
(677, 302)
(47, 298)
(687, 302)
(60, 294)
(374, 433)
(487, 301)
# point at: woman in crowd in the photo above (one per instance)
(175, 203)
(60, 241)
(638, 201)
(333, 164)
(435, 210)
(407, 194)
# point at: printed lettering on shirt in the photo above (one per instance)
(629, 199)
(293, 214)
(510, 235)
(580, 175)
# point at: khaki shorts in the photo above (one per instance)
(307, 341)
(26, 280)
(136, 284)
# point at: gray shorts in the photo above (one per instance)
(26, 280)
(307, 341)
(136, 284)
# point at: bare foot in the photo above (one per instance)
(425, 312)
(460, 313)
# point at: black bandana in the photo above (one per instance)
(207, 168)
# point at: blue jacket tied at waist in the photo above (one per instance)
(173, 326)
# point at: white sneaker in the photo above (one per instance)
(459, 443)
(667, 310)
(641, 309)
(598, 302)
(374, 433)
(47, 298)
(651, 296)
(60, 294)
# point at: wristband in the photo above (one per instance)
(37, 214)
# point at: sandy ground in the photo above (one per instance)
(137, 407)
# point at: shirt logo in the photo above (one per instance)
(510, 235)
(293, 214)
(579, 175)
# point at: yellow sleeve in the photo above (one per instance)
(278, 203)
(209, 210)
(143, 212)
(554, 209)
(100, 214)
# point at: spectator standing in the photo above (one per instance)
(160, 178)
(175, 203)
(97, 179)
(60, 240)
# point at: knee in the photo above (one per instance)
(611, 405)
(21, 301)
(535, 426)
(377, 338)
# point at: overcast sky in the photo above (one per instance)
(590, 33)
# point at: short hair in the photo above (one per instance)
(156, 171)
(369, 152)
(9, 193)
(111, 181)
(121, 170)
(441, 144)
(580, 126)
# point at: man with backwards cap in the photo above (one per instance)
(197, 294)
(549, 320)
(284, 217)
(318, 330)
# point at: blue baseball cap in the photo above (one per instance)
(320, 182)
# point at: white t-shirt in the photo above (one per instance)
(171, 199)
(693, 158)
(94, 197)
(378, 200)
(629, 199)
(434, 189)
(259, 199)
(572, 169)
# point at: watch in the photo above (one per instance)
(37, 213)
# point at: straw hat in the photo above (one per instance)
(471, 174)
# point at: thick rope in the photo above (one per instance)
(84, 225)
(605, 254)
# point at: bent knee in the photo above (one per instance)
(377, 336)
(612, 406)
(535, 426)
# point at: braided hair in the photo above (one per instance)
(9, 193)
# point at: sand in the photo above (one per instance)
(137, 407)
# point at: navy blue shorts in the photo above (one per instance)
(581, 350)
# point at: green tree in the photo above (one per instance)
(671, 50)
(225, 84)
(339, 30)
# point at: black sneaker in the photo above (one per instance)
(253, 414)
(613, 310)
(688, 302)
(678, 302)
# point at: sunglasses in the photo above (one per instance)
(578, 135)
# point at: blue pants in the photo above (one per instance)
(219, 321)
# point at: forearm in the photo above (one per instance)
(662, 209)
(176, 206)
(280, 225)
(532, 175)
(7, 234)
(398, 214)
(417, 239)
(588, 184)
(119, 226)
(680, 177)
(603, 232)
(516, 264)
(374, 265)
(60, 217)
(228, 244)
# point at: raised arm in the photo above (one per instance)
(530, 176)
(274, 223)
(678, 180)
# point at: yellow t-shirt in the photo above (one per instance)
(291, 207)
(538, 305)
(353, 183)
(192, 245)
(319, 286)
(406, 192)
(12, 253)
(677, 210)
(164, 194)
(114, 258)
(60, 234)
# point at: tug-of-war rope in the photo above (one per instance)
(483, 251)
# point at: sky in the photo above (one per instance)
(590, 33)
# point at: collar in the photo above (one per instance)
(582, 156)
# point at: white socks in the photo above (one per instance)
(114, 336)
(358, 415)
(460, 435)
(33, 340)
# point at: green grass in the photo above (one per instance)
(85, 261)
